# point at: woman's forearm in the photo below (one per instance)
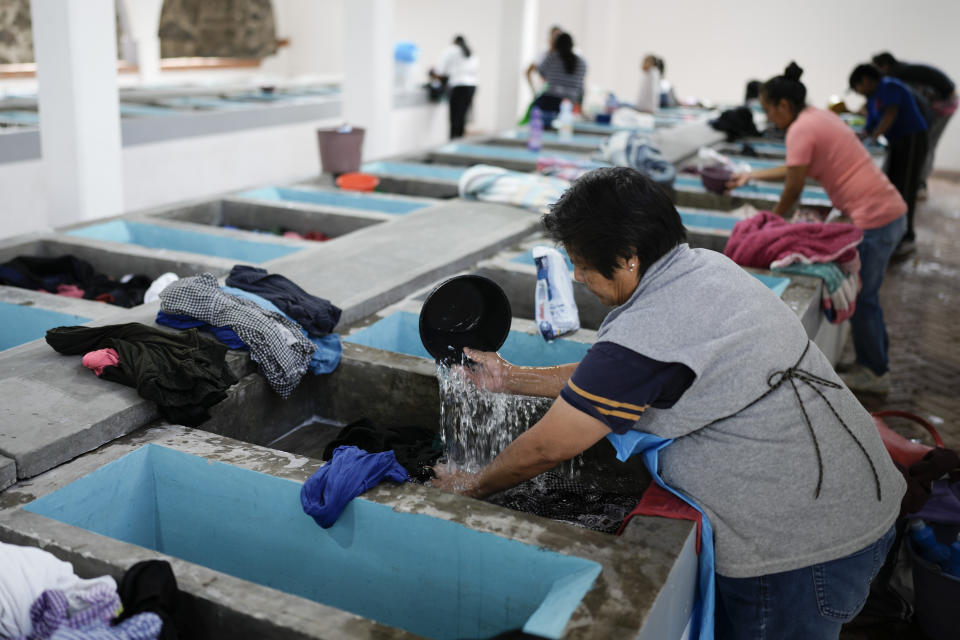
(773, 173)
(543, 382)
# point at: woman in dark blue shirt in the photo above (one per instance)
(892, 111)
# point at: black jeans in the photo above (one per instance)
(905, 159)
(461, 97)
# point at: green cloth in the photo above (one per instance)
(829, 272)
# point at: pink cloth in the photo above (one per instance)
(69, 290)
(837, 159)
(99, 360)
(768, 241)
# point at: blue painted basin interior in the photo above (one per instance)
(159, 237)
(550, 137)
(17, 116)
(132, 109)
(772, 191)
(414, 170)
(346, 199)
(604, 129)
(426, 575)
(777, 284)
(505, 153)
(400, 333)
(23, 324)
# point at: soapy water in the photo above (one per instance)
(477, 424)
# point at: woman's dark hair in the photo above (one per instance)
(563, 45)
(658, 62)
(786, 87)
(864, 72)
(753, 90)
(460, 42)
(613, 213)
(885, 59)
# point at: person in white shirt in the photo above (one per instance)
(648, 98)
(458, 65)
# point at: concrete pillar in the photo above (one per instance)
(368, 72)
(518, 39)
(75, 45)
(144, 18)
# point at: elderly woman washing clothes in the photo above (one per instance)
(707, 373)
(821, 146)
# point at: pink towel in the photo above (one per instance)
(768, 241)
(100, 360)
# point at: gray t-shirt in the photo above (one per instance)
(779, 496)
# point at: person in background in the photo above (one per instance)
(667, 96)
(648, 97)
(459, 66)
(938, 90)
(551, 38)
(786, 464)
(820, 145)
(892, 111)
(751, 97)
(563, 70)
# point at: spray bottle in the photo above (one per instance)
(555, 310)
(564, 121)
(535, 137)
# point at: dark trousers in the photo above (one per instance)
(461, 97)
(905, 158)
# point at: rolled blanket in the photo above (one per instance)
(525, 190)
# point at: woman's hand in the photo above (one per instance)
(736, 181)
(490, 371)
(452, 481)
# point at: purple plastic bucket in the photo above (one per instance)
(715, 179)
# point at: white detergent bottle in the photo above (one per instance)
(555, 310)
(564, 121)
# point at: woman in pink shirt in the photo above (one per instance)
(820, 145)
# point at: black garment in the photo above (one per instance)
(548, 104)
(416, 448)
(461, 97)
(42, 273)
(926, 76)
(559, 496)
(150, 587)
(736, 123)
(316, 315)
(184, 373)
(905, 157)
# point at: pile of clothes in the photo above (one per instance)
(363, 455)
(736, 123)
(41, 597)
(75, 278)
(826, 251)
(287, 331)
(184, 373)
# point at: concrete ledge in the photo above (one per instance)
(8, 472)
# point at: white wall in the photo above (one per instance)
(433, 24)
(712, 49)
